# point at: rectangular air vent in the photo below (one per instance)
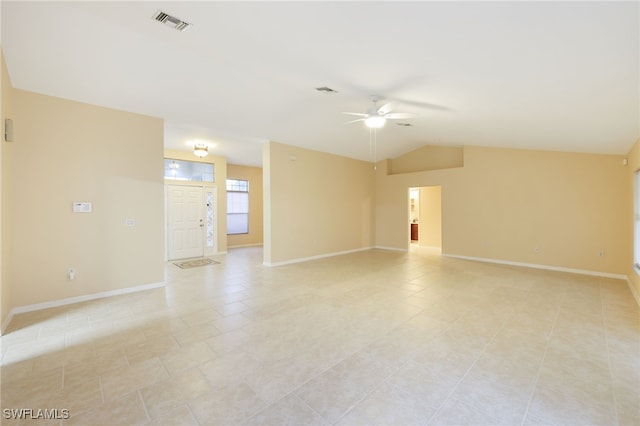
(171, 21)
(325, 89)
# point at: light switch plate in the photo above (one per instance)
(82, 207)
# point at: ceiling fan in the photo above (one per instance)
(377, 116)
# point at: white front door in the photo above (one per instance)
(186, 220)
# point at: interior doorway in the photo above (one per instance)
(425, 216)
(190, 218)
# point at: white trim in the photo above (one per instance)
(320, 256)
(245, 245)
(6, 322)
(634, 292)
(538, 266)
(636, 217)
(390, 248)
(78, 299)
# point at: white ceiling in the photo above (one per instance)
(540, 75)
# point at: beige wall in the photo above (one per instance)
(266, 203)
(6, 111)
(316, 203)
(220, 176)
(427, 157)
(66, 151)
(430, 224)
(505, 203)
(254, 176)
(633, 159)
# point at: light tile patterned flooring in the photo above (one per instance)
(369, 338)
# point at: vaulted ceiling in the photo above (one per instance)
(535, 75)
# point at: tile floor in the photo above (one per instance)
(369, 338)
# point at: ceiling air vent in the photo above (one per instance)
(325, 89)
(171, 21)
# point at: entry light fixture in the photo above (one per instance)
(200, 150)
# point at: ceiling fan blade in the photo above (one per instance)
(425, 105)
(357, 114)
(356, 120)
(385, 109)
(399, 115)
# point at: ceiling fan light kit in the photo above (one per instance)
(374, 121)
(376, 117)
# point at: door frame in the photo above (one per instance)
(423, 217)
(205, 187)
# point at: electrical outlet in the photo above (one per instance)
(601, 253)
(536, 249)
(71, 274)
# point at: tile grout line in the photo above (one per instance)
(292, 392)
(466, 373)
(375, 387)
(350, 344)
(186, 403)
(64, 373)
(104, 400)
(144, 406)
(365, 396)
(544, 357)
(609, 364)
(308, 406)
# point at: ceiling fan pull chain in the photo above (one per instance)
(375, 149)
(375, 144)
(370, 143)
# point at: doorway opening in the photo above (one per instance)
(190, 215)
(425, 217)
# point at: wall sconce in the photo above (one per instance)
(200, 150)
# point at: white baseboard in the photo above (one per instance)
(390, 248)
(320, 256)
(634, 292)
(6, 322)
(245, 245)
(538, 266)
(77, 299)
